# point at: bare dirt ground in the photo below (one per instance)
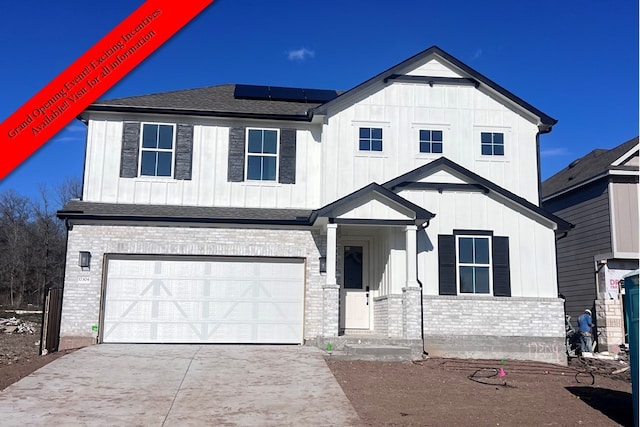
(446, 392)
(440, 392)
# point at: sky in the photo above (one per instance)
(577, 61)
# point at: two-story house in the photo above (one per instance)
(598, 193)
(406, 208)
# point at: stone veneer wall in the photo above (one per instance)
(83, 289)
(495, 328)
(610, 321)
(388, 316)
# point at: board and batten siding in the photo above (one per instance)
(401, 110)
(624, 217)
(531, 241)
(588, 209)
(209, 184)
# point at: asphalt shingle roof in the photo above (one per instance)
(586, 168)
(121, 211)
(210, 100)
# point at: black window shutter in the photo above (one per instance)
(184, 152)
(447, 264)
(501, 274)
(287, 156)
(130, 150)
(235, 171)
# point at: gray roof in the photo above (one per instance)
(196, 214)
(209, 101)
(596, 163)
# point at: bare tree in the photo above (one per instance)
(15, 215)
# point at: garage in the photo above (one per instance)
(203, 300)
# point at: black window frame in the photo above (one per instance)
(157, 150)
(427, 138)
(368, 142)
(492, 144)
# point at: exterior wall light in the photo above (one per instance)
(84, 259)
(323, 264)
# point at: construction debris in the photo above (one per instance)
(17, 326)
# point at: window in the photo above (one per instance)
(430, 141)
(492, 144)
(262, 154)
(474, 264)
(370, 139)
(157, 149)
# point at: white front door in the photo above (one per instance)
(355, 302)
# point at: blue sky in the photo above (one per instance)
(575, 60)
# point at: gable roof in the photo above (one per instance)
(485, 184)
(218, 101)
(474, 77)
(329, 210)
(595, 165)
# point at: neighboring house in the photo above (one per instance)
(404, 209)
(598, 193)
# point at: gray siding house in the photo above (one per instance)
(598, 193)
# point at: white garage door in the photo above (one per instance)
(213, 300)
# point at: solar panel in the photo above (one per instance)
(320, 95)
(278, 93)
(287, 94)
(251, 92)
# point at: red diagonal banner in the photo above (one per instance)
(90, 76)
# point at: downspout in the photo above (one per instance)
(422, 227)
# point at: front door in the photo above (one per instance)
(355, 304)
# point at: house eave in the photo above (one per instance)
(302, 117)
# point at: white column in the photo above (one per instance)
(412, 253)
(331, 290)
(411, 293)
(331, 253)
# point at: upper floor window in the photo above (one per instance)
(370, 139)
(492, 143)
(156, 152)
(262, 154)
(430, 141)
(474, 264)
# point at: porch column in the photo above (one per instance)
(411, 293)
(331, 290)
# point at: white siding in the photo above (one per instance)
(531, 244)
(208, 186)
(401, 110)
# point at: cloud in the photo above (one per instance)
(477, 54)
(554, 152)
(300, 54)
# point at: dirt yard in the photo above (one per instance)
(446, 392)
(439, 392)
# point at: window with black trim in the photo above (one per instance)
(430, 141)
(474, 264)
(370, 139)
(156, 151)
(492, 143)
(262, 154)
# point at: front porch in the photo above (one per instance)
(371, 292)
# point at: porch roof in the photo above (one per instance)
(416, 214)
(476, 181)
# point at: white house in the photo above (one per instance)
(405, 209)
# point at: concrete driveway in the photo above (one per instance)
(180, 385)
